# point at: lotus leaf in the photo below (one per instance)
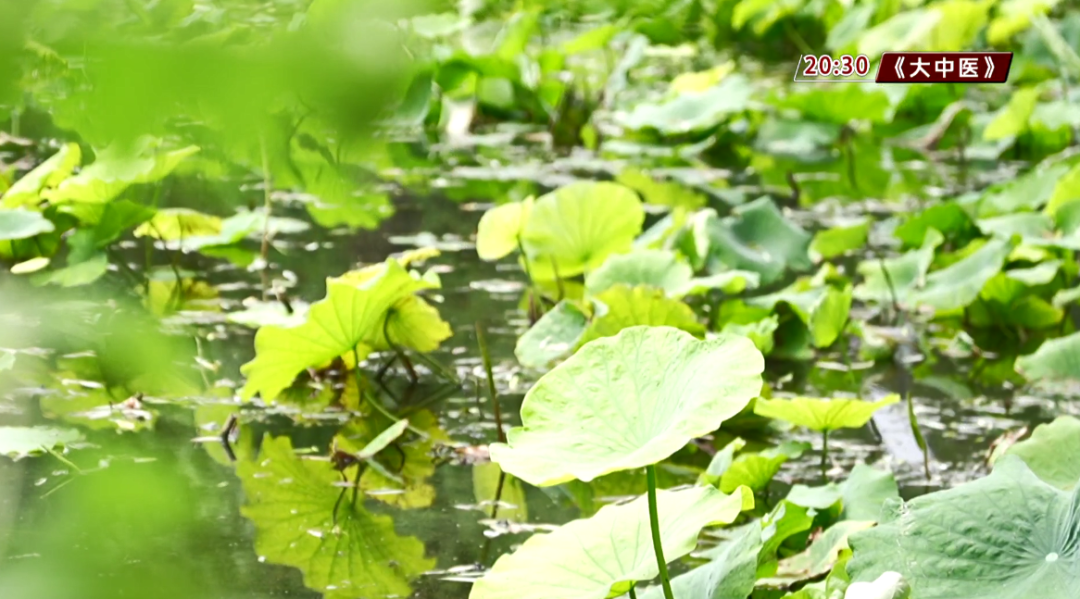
(175, 224)
(500, 229)
(1049, 450)
(728, 575)
(115, 170)
(27, 190)
(576, 227)
(757, 238)
(21, 224)
(352, 315)
(837, 241)
(661, 193)
(586, 559)
(346, 554)
(820, 557)
(555, 335)
(18, 442)
(1055, 359)
(512, 504)
(899, 275)
(1006, 536)
(628, 401)
(663, 270)
(690, 112)
(621, 307)
(822, 414)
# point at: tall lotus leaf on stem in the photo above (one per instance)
(822, 415)
(564, 233)
(628, 401)
(624, 402)
(364, 310)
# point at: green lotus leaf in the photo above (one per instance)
(554, 336)
(865, 491)
(730, 573)
(114, 170)
(753, 470)
(958, 284)
(1006, 536)
(576, 227)
(829, 314)
(413, 323)
(756, 238)
(819, 557)
(1047, 452)
(947, 218)
(822, 414)
(19, 441)
(500, 229)
(663, 270)
(585, 559)
(291, 501)
(622, 307)
(90, 269)
(693, 111)
(175, 224)
(838, 104)
(338, 204)
(1056, 359)
(27, 190)
(661, 193)
(1029, 191)
(628, 401)
(838, 241)
(656, 268)
(823, 309)
(899, 275)
(352, 315)
(22, 224)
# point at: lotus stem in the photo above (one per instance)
(486, 356)
(633, 595)
(825, 455)
(654, 524)
(920, 440)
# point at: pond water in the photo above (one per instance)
(159, 513)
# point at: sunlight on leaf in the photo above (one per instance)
(584, 559)
(627, 401)
(822, 414)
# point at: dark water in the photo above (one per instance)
(154, 514)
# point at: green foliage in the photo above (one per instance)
(1009, 535)
(610, 551)
(361, 309)
(822, 414)
(1046, 450)
(17, 442)
(627, 401)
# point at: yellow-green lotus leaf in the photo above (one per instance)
(351, 315)
(576, 227)
(628, 401)
(822, 414)
(622, 307)
(584, 559)
(500, 228)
